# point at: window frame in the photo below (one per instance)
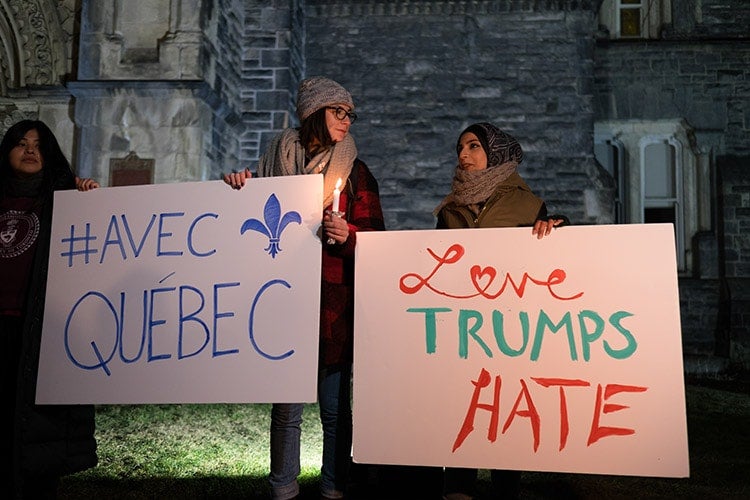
(692, 167)
(619, 7)
(679, 190)
(621, 198)
(654, 14)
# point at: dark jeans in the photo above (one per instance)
(334, 398)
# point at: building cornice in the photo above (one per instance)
(338, 8)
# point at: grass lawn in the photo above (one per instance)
(221, 452)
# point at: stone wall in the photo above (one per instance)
(141, 88)
(724, 19)
(734, 180)
(698, 71)
(421, 71)
(267, 83)
(165, 122)
(202, 85)
(222, 24)
(699, 315)
(703, 82)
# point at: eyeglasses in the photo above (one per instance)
(341, 113)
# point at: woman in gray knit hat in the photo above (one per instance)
(322, 144)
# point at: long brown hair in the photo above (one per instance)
(313, 133)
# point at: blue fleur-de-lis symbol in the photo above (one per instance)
(274, 226)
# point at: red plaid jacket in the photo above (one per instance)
(363, 212)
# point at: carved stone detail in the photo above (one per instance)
(33, 42)
(10, 115)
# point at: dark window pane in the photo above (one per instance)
(659, 215)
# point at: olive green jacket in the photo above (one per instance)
(511, 205)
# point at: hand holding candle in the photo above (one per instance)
(336, 196)
(335, 206)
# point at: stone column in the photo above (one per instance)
(140, 88)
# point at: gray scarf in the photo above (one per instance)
(473, 187)
(286, 156)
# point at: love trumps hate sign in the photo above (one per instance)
(182, 293)
(488, 348)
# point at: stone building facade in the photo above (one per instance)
(683, 87)
(596, 91)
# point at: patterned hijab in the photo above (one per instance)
(472, 188)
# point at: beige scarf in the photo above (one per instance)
(286, 156)
(470, 188)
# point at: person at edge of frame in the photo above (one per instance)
(43, 442)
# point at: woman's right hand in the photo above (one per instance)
(237, 179)
(86, 184)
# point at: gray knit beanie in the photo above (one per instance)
(318, 92)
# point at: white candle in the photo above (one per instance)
(336, 195)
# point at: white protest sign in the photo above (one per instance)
(488, 348)
(189, 292)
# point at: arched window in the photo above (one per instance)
(660, 177)
(661, 187)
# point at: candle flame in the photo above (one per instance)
(338, 183)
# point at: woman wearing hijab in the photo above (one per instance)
(43, 442)
(487, 191)
(322, 144)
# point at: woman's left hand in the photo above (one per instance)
(335, 228)
(543, 228)
(86, 184)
